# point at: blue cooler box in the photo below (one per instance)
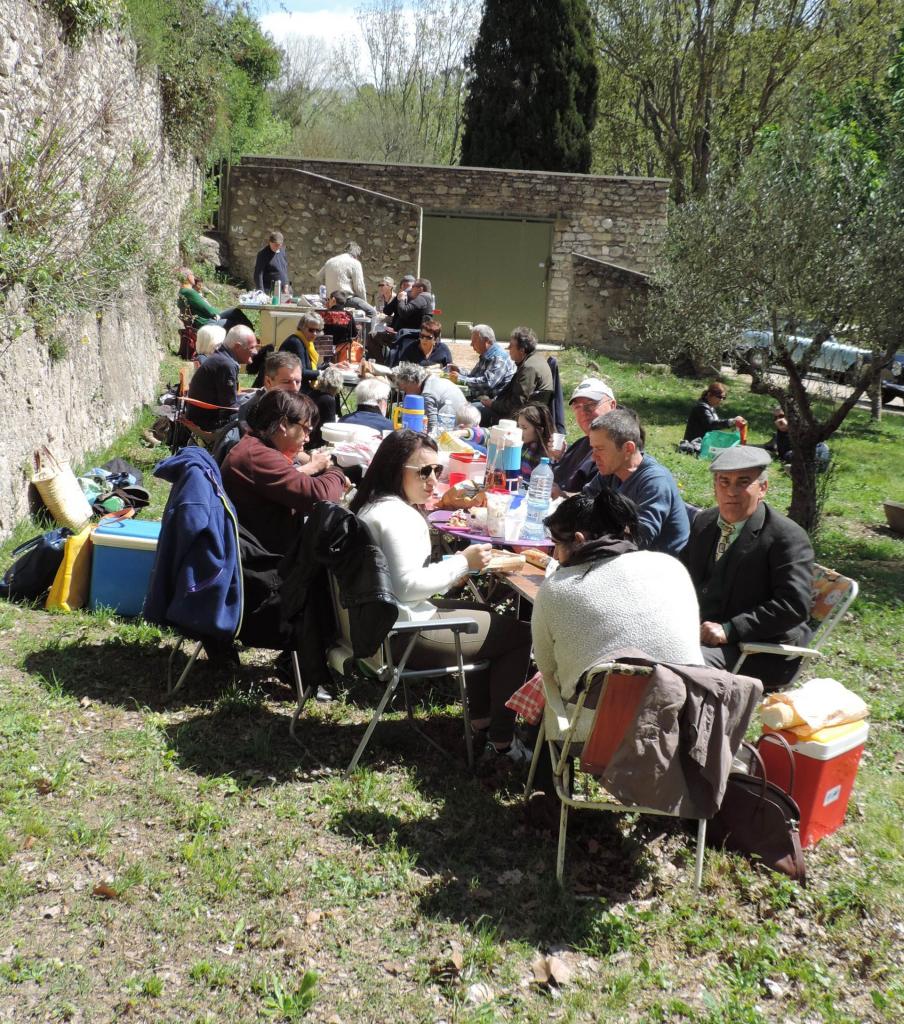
(121, 567)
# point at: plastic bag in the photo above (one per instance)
(816, 705)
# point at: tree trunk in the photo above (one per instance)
(804, 508)
(874, 393)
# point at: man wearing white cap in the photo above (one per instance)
(591, 398)
(752, 568)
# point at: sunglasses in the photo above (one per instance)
(425, 472)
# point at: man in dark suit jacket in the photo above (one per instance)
(752, 568)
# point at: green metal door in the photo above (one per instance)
(488, 271)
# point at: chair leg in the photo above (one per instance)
(465, 713)
(301, 694)
(381, 707)
(532, 771)
(171, 689)
(563, 831)
(701, 850)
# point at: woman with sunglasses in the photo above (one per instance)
(268, 477)
(428, 349)
(704, 416)
(397, 485)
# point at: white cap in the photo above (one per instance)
(592, 388)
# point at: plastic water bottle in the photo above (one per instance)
(538, 496)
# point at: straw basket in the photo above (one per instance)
(59, 490)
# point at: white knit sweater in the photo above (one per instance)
(643, 599)
(403, 534)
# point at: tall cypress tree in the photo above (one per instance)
(533, 95)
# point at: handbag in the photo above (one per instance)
(72, 583)
(36, 563)
(60, 490)
(759, 819)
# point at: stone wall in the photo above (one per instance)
(605, 305)
(105, 365)
(609, 218)
(318, 216)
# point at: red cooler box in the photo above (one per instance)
(825, 767)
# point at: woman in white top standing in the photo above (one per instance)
(397, 485)
(607, 596)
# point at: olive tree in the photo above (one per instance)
(806, 239)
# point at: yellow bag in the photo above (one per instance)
(73, 579)
(72, 583)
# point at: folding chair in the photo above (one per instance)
(832, 596)
(622, 689)
(383, 668)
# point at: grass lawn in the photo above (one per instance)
(189, 863)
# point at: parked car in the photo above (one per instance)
(834, 359)
(893, 380)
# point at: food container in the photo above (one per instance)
(825, 767)
(122, 560)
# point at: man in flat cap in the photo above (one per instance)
(752, 568)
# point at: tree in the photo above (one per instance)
(688, 84)
(408, 85)
(807, 239)
(533, 91)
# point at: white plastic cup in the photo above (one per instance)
(557, 444)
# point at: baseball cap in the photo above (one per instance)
(594, 389)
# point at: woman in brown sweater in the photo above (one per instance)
(270, 480)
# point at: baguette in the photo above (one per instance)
(505, 561)
(538, 559)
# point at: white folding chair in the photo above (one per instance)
(832, 595)
(562, 726)
(383, 668)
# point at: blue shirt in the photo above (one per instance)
(662, 523)
(489, 375)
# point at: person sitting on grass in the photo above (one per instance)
(390, 499)
(704, 415)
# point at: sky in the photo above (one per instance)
(330, 20)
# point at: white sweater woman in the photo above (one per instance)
(585, 612)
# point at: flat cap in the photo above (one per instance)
(742, 456)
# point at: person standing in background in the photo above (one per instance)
(271, 265)
(344, 273)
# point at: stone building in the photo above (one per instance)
(560, 253)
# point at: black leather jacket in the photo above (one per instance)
(335, 540)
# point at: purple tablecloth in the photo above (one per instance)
(440, 519)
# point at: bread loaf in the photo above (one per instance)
(455, 498)
(539, 559)
(505, 561)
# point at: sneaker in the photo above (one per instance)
(517, 753)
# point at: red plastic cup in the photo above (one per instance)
(457, 478)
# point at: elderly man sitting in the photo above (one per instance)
(282, 372)
(216, 382)
(591, 399)
(752, 568)
(442, 398)
(617, 442)
(371, 398)
(531, 382)
(493, 369)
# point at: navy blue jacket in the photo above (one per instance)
(270, 267)
(662, 523)
(196, 583)
(368, 416)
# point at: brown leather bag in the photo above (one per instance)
(759, 819)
